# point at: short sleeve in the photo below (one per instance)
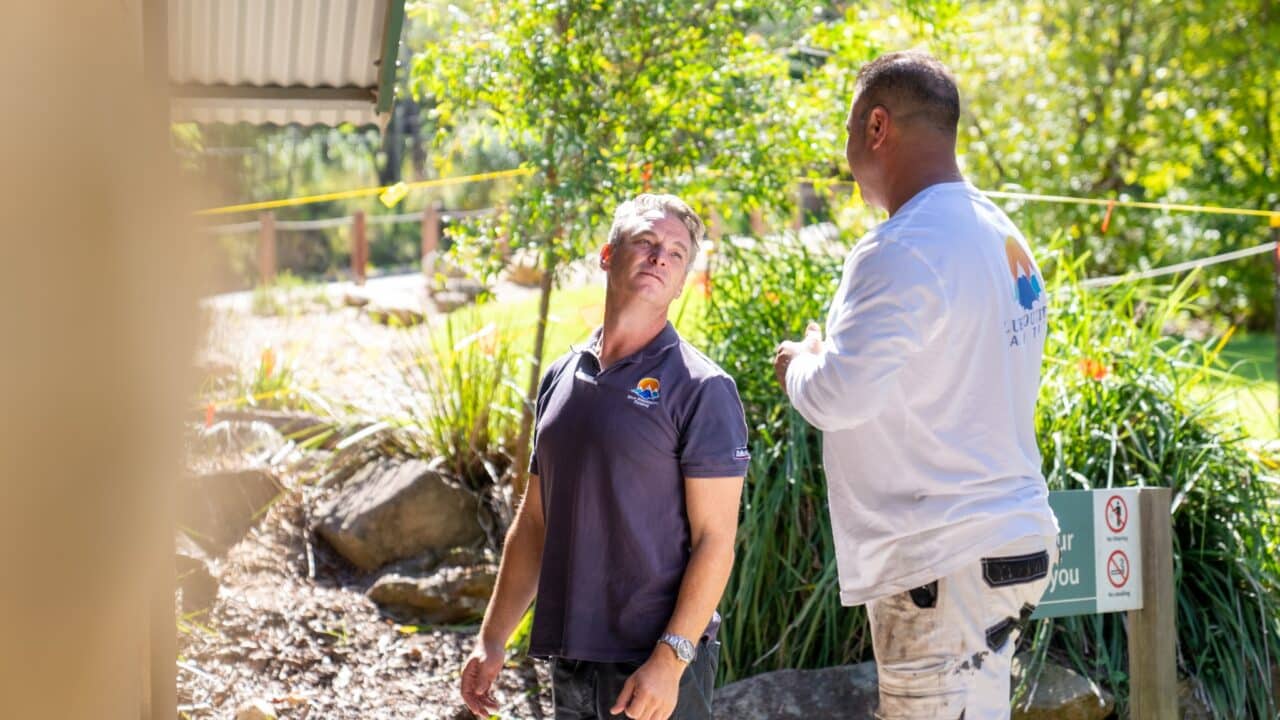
(544, 391)
(713, 441)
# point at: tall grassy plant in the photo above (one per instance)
(463, 405)
(1122, 404)
(781, 608)
(1126, 403)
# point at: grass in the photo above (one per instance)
(1249, 391)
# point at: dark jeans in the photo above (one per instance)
(582, 690)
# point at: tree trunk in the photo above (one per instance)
(521, 476)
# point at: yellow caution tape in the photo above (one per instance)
(400, 189)
(1135, 204)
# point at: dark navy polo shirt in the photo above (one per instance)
(612, 450)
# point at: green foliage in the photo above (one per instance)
(781, 608)
(1121, 404)
(463, 406)
(600, 96)
(1150, 101)
(1124, 404)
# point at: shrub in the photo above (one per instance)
(1121, 404)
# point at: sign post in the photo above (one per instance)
(1115, 551)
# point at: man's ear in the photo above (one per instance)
(606, 255)
(877, 127)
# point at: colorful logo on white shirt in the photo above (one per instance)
(1027, 286)
(647, 389)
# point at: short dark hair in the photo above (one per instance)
(916, 80)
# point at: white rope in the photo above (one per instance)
(1179, 267)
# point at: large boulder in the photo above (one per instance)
(396, 314)
(450, 594)
(221, 507)
(1058, 693)
(1191, 703)
(851, 691)
(847, 691)
(396, 509)
(195, 578)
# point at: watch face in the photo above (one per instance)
(682, 646)
(685, 650)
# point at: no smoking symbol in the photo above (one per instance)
(1118, 569)
(1117, 513)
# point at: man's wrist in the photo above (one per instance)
(679, 647)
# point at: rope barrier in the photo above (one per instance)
(1178, 207)
(323, 223)
(365, 192)
(1109, 280)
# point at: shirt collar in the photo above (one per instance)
(663, 341)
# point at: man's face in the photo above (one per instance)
(650, 262)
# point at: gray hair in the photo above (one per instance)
(643, 206)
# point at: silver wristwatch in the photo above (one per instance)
(684, 649)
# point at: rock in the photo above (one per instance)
(452, 594)
(448, 301)
(848, 691)
(256, 709)
(1059, 693)
(1190, 705)
(396, 509)
(525, 269)
(212, 366)
(355, 299)
(247, 435)
(221, 507)
(195, 579)
(467, 286)
(397, 315)
(296, 426)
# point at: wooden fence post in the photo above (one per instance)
(359, 248)
(1153, 651)
(266, 248)
(1275, 237)
(430, 239)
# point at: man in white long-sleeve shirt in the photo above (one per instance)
(925, 388)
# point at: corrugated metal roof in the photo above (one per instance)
(278, 61)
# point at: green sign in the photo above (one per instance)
(1099, 567)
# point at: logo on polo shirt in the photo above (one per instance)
(647, 389)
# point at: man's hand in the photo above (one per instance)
(788, 349)
(478, 675)
(651, 691)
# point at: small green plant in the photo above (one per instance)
(288, 295)
(464, 402)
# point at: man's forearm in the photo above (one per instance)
(517, 581)
(704, 580)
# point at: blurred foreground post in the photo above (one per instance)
(96, 370)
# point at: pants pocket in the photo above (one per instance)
(1015, 569)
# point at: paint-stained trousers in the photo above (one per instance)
(944, 650)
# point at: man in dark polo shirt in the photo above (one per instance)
(626, 533)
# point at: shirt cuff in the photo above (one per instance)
(802, 367)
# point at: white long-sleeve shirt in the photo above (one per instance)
(925, 391)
